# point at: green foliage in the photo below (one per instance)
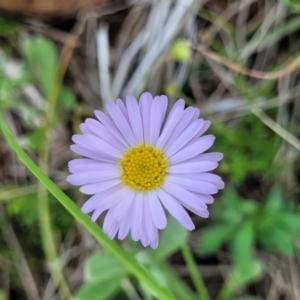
(9, 96)
(25, 209)
(172, 238)
(40, 68)
(61, 220)
(246, 268)
(41, 65)
(241, 224)
(98, 291)
(42, 59)
(234, 225)
(103, 267)
(239, 277)
(9, 26)
(103, 275)
(67, 98)
(214, 236)
(3, 295)
(34, 138)
(279, 229)
(249, 147)
(293, 4)
(262, 90)
(23, 213)
(252, 222)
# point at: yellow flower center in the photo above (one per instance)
(144, 168)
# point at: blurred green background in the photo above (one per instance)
(238, 61)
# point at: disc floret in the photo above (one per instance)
(143, 168)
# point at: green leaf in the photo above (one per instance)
(27, 113)
(6, 90)
(103, 267)
(99, 291)
(228, 209)
(213, 237)
(290, 221)
(171, 239)
(180, 287)
(42, 58)
(293, 4)
(243, 157)
(247, 207)
(279, 241)
(230, 198)
(35, 137)
(3, 295)
(9, 26)
(239, 278)
(274, 201)
(24, 208)
(67, 98)
(242, 247)
(154, 270)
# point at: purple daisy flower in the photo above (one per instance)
(139, 162)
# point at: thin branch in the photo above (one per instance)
(20, 261)
(291, 67)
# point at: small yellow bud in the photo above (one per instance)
(181, 51)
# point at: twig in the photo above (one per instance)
(20, 261)
(291, 67)
(10, 194)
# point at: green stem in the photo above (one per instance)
(180, 288)
(229, 288)
(225, 293)
(11, 193)
(195, 273)
(125, 258)
(48, 242)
